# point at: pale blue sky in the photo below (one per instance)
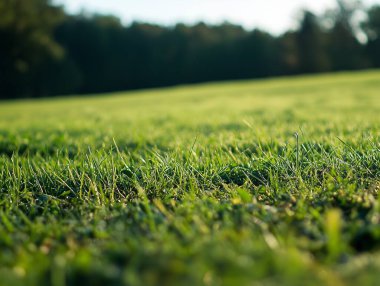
(272, 15)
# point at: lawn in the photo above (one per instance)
(268, 182)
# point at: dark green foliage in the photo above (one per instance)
(311, 45)
(26, 42)
(44, 52)
(372, 29)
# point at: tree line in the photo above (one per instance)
(46, 52)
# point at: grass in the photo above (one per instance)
(244, 183)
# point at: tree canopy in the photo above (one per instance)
(44, 51)
(26, 40)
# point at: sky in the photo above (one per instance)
(274, 16)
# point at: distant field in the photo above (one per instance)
(195, 185)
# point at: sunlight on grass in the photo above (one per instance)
(194, 185)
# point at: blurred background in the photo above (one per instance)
(60, 47)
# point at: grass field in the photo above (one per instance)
(271, 182)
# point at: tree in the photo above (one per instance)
(345, 50)
(259, 55)
(372, 29)
(26, 40)
(311, 50)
